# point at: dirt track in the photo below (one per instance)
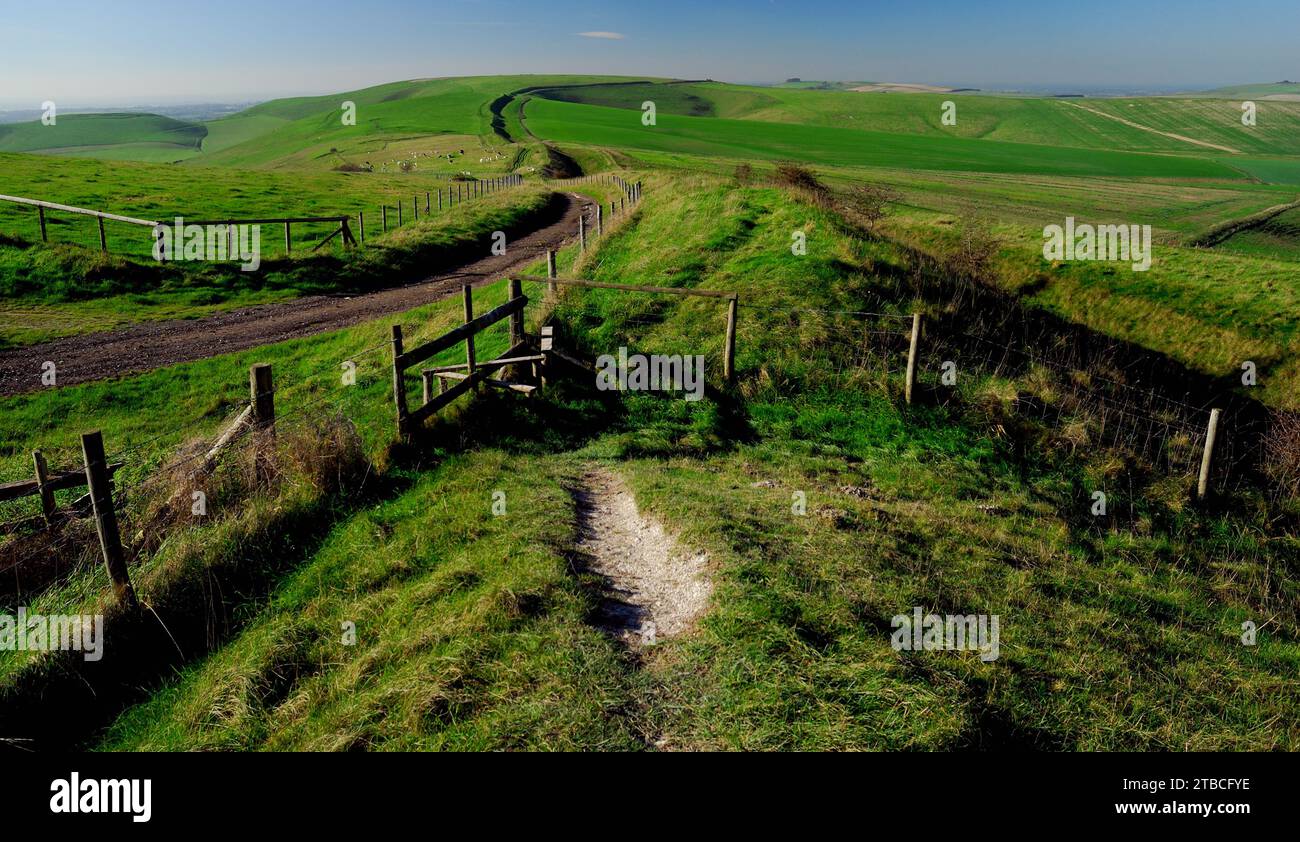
(151, 345)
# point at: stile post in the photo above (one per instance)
(399, 390)
(101, 502)
(42, 482)
(1211, 433)
(261, 396)
(517, 317)
(911, 357)
(426, 377)
(468, 292)
(729, 353)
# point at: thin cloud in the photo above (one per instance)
(608, 36)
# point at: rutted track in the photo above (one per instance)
(151, 345)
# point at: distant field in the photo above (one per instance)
(1247, 91)
(1015, 119)
(567, 122)
(80, 132)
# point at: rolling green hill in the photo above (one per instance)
(1260, 91)
(106, 135)
(568, 122)
(1043, 121)
(302, 132)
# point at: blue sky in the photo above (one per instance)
(87, 52)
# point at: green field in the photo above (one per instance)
(566, 122)
(1048, 122)
(82, 133)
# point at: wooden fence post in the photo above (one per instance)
(261, 396)
(288, 245)
(399, 213)
(729, 352)
(428, 207)
(40, 212)
(101, 502)
(415, 208)
(600, 219)
(383, 212)
(468, 292)
(910, 383)
(47, 494)
(440, 199)
(517, 317)
(426, 376)
(1211, 433)
(399, 388)
(103, 240)
(361, 225)
(550, 270)
(582, 231)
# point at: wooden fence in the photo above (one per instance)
(460, 193)
(463, 191)
(100, 216)
(468, 375)
(97, 475)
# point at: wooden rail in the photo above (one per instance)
(130, 220)
(41, 206)
(53, 482)
(702, 293)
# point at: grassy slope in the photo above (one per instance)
(309, 127)
(1277, 239)
(1045, 121)
(89, 131)
(1209, 310)
(1112, 638)
(567, 122)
